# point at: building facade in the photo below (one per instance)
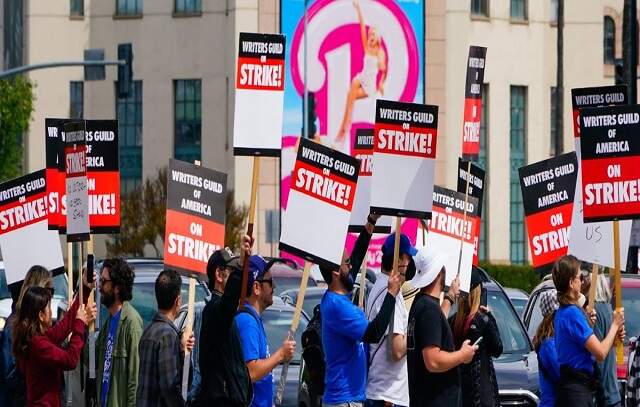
(182, 97)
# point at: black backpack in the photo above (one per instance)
(313, 354)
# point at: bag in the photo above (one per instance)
(313, 354)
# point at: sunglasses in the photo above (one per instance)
(266, 280)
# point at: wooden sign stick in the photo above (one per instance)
(592, 289)
(252, 215)
(617, 283)
(464, 216)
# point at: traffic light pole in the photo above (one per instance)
(21, 69)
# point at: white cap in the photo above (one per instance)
(428, 265)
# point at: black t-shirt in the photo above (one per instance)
(428, 327)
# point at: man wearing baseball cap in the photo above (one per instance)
(224, 374)
(259, 360)
(388, 381)
(434, 379)
(345, 327)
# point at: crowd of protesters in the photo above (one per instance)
(391, 353)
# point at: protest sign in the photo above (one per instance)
(195, 216)
(474, 183)
(259, 102)
(404, 154)
(103, 175)
(594, 97)
(548, 189)
(610, 150)
(25, 239)
(473, 103)
(322, 195)
(448, 227)
(75, 166)
(363, 151)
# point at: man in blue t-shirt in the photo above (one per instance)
(253, 336)
(345, 327)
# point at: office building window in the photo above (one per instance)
(128, 7)
(483, 161)
(609, 40)
(76, 8)
(188, 119)
(480, 8)
(188, 6)
(13, 33)
(518, 158)
(76, 100)
(129, 116)
(519, 10)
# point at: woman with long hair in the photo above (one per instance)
(37, 345)
(366, 83)
(37, 276)
(545, 346)
(577, 346)
(473, 321)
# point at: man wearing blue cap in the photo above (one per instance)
(345, 327)
(388, 382)
(254, 338)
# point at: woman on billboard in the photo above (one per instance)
(364, 84)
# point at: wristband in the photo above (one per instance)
(448, 297)
(371, 220)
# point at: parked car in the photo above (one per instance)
(287, 275)
(312, 297)
(630, 301)
(518, 298)
(58, 302)
(517, 367)
(277, 321)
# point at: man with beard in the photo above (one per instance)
(117, 343)
(345, 328)
(254, 338)
(434, 379)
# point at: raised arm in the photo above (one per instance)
(363, 30)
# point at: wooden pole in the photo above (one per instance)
(294, 326)
(67, 374)
(617, 283)
(396, 245)
(592, 289)
(187, 334)
(363, 274)
(252, 215)
(464, 216)
(91, 301)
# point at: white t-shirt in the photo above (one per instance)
(388, 380)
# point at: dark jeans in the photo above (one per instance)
(379, 403)
(575, 389)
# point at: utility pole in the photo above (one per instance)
(559, 139)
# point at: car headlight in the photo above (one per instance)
(3, 321)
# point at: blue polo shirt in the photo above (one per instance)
(343, 326)
(255, 347)
(571, 333)
(549, 373)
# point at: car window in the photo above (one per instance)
(519, 304)
(536, 315)
(631, 304)
(283, 284)
(60, 286)
(4, 290)
(310, 303)
(513, 337)
(277, 324)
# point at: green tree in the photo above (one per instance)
(16, 106)
(143, 218)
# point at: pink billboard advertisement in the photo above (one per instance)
(357, 51)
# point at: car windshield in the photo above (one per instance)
(519, 304)
(286, 283)
(513, 337)
(144, 300)
(631, 304)
(310, 302)
(59, 284)
(277, 324)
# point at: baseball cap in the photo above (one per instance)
(219, 258)
(549, 302)
(405, 245)
(428, 265)
(257, 268)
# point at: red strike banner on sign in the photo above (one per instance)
(256, 73)
(453, 224)
(549, 233)
(473, 103)
(327, 187)
(405, 140)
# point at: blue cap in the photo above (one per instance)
(257, 268)
(405, 245)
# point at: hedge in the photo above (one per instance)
(514, 276)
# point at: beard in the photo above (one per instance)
(108, 299)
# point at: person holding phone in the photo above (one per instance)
(474, 322)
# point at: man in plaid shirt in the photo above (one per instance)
(161, 348)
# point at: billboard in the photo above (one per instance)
(357, 52)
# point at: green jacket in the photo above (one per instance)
(125, 360)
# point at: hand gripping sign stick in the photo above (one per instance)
(592, 289)
(292, 330)
(252, 215)
(617, 283)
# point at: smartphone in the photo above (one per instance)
(477, 342)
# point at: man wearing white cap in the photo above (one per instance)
(434, 379)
